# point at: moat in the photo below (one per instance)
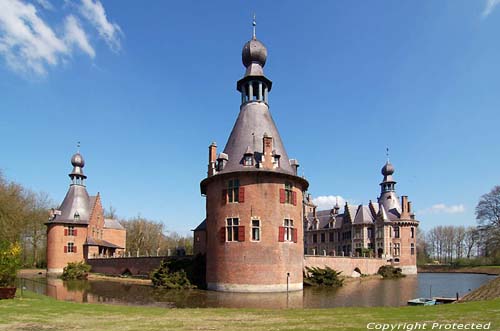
(362, 293)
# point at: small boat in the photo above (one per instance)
(421, 302)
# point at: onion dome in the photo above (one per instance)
(387, 169)
(254, 52)
(78, 163)
(77, 160)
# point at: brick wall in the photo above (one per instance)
(345, 264)
(134, 265)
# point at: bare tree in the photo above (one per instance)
(488, 218)
(471, 237)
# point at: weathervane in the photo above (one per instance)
(254, 24)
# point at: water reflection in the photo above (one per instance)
(360, 292)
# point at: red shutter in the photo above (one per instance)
(75, 232)
(241, 197)
(74, 249)
(65, 249)
(294, 198)
(65, 231)
(294, 235)
(281, 234)
(241, 233)
(282, 195)
(224, 196)
(222, 234)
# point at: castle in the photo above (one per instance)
(385, 230)
(261, 227)
(78, 230)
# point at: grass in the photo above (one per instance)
(36, 312)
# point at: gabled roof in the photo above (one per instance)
(363, 215)
(202, 226)
(110, 223)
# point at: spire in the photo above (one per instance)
(387, 153)
(254, 24)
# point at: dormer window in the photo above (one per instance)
(248, 160)
(76, 217)
(276, 159)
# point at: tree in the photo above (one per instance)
(471, 237)
(488, 218)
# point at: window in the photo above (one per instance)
(330, 237)
(288, 225)
(370, 233)
(232, 229)
(256, 230)
(288, 192)
(357, 234)
(412, 232)
(276, 160)
(322, 237)
(397, 249)
(70, 231)
(288, 195)
(396, 232)
(233, 188)
(412, 248)
(315, 238)
(248, 160)
(71, 248)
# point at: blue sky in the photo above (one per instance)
(146, 88)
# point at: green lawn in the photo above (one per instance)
(36, 312)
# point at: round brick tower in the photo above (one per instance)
(254, 197)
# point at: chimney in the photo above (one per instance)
(409, 208)
(267, 143)
(404, 207)
(212, 155)
(295, 165)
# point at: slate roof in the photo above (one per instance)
(99, 242)
(110, 223)
(202, 226)
(77, 200)
(254, 120)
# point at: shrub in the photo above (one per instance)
(10, 261)
(388, 271)
(76, 270)
(164, 277)
(315, 276)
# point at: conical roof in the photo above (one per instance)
(254, 121)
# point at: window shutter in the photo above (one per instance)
(65, 249)
(224, 197)
(282, 195)
(281, 234)
(65, 231)
(75, 232)
(241, 195)
(241, 233)
(74, 249)
(294, 235)
(294, 198)
(222, 234)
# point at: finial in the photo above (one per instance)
(78, 147)
(387, 153)
(254, 24)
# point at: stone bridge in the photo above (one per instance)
(362, 265)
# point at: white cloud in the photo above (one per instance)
(328, 201)
(75, 35)
(45, 4)
(490, 6)
(30, 45)
(95, 13)
(26, 41)
(441, 208)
